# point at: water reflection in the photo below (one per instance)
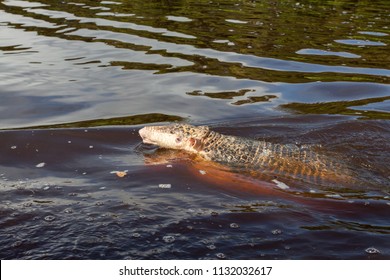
(224, 47)
(343, 107)
(310, 72)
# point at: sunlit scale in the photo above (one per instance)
(80, 79)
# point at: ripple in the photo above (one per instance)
(25, 21)
(178, 19)
(354, 42)
(146, 66)
(236, 21)
(23, 4)
(110, 3)
(135, 56)
(115, 14)
(228, 57)
(53, 14)
(327, 53)
(110, 23)
(380, 34)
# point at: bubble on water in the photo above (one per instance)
(90, 219)
(234, 225)
(169, 166)
(169, 239)
(91, 147)
(136, 235)
(69, 142)
(49, 218)
(40, 165)
(68, 210)
(99, 203)
(220, 256)
(27, 204)
(13, 147)
(211, 247)
(46, 188)
(372, 250)
(276, 231)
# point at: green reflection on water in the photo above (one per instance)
(221, 94)
(255, 99)
(234, 94)
(270, 29)
(352, 226)
(340, 107)
(129, 120)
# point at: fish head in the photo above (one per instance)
(176, 136)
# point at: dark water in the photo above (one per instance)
(78, 79)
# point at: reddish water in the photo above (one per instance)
(74, 207)
(78, 80)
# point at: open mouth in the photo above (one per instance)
(145, 139)
(148, 141)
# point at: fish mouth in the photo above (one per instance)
(145, 139)
(148, 141)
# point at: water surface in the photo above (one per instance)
(78, 79)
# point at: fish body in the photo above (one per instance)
(299, 162)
